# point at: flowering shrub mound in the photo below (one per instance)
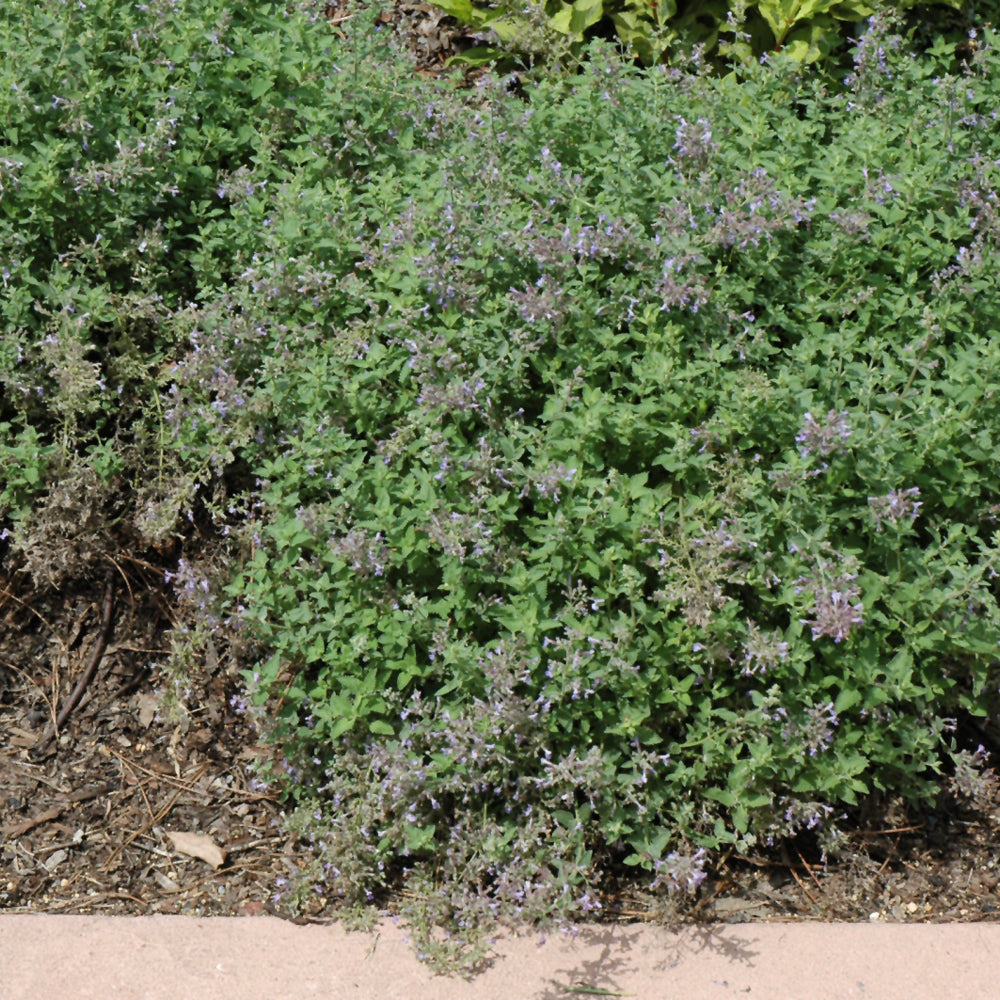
(607, 478)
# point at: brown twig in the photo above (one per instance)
(759, 862)
(95, 657)
(128, 587)
(808, 868)
(171, 802)
(184, 784)
(787, 862)
(802, 884)
(5, 592)
(55, 811)
(88, 671)
(723, 886)
(138, 784)
(155, 818)
(885, 833)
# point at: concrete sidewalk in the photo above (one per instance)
(52, 957)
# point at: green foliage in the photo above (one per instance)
(635, 492)
(129, 134)
(611, 477)
(665, 30)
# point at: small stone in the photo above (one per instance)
(55, 859)
(911, 907)
(874, 917)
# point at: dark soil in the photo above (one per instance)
(87, 809)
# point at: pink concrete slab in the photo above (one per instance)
(51, 957)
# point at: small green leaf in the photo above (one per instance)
(721, 795)
(260, 86)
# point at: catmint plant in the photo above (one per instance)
(600, 480)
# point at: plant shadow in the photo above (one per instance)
(612, 954)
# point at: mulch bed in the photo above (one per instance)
(86, 811)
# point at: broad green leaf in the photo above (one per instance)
(574, 18)
(783, 15)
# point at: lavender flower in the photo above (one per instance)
(680, 288)
(815, 730)
(834, 614)
(548, 483)
(836, 608)
(551, 162)
(693, 141)
(798, 815)
(539, 302)
(826, 437)
(239, 704)
(761, 652)
(871, 56)
(366, 554)
(192, 586)
(680, 872)
(895, 507)
(457, 533)
(972, 779)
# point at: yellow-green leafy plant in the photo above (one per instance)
(653, 30)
